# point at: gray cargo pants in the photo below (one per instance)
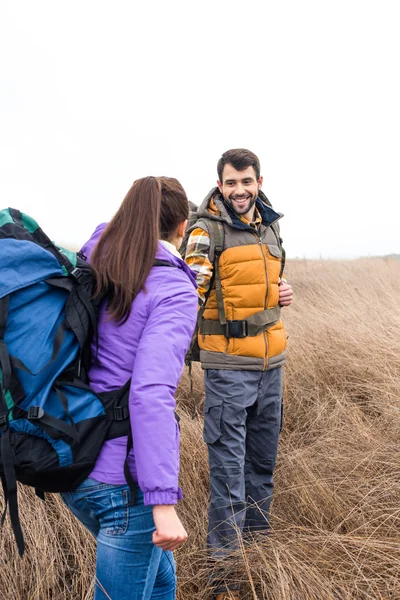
(242, 422)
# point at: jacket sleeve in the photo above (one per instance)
(157, 369)
(197, 258)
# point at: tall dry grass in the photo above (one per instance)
(336, 510)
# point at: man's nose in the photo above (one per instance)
(240, 191)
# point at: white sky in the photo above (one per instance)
(95, 94)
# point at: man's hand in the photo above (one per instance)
(169, 533)
(285, 293)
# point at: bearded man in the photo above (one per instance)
(236, 250)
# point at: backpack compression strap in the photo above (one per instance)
(8, 476)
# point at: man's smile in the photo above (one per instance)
(240, 200)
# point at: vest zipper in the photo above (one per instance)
(256, 233)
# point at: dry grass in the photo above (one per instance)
(336, 512)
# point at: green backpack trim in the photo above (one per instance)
(30, 224)
(8, 398)
(5, 217)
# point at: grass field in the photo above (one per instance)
(336, 510)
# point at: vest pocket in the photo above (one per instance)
(274, 250)
(212, 420)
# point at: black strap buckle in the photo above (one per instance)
(35, 412)
(76, 273)
(120, 413)
(237, 329)
(3, 420)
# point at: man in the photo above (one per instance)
(236, 251)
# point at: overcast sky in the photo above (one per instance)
(95, 94)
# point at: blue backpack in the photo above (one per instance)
(52, 424)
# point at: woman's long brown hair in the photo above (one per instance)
(154, 207)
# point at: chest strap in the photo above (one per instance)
(250, 327)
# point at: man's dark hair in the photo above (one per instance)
(240, 159)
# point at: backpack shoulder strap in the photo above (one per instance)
(162, 263)
(215, 230)
(276, 230)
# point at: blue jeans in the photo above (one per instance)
(128, 565)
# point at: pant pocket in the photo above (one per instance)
(112, 510)
(212, 421)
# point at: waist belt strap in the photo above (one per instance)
(250, 327)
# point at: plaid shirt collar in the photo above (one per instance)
(256, 221)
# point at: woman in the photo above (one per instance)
(144, 331)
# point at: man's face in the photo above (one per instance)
(240, 189)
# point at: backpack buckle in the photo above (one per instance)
(120, 413)
(35, 412)
(237, 329)
(4, 420)
(76, 273)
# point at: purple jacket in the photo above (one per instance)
(149, 348)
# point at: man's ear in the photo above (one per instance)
(219, 184)
(260, 181)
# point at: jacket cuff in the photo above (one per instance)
(162, 497)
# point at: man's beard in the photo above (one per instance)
(244, 209)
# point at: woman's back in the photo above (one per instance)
(149, 349)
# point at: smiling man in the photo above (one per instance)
(236, 251)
